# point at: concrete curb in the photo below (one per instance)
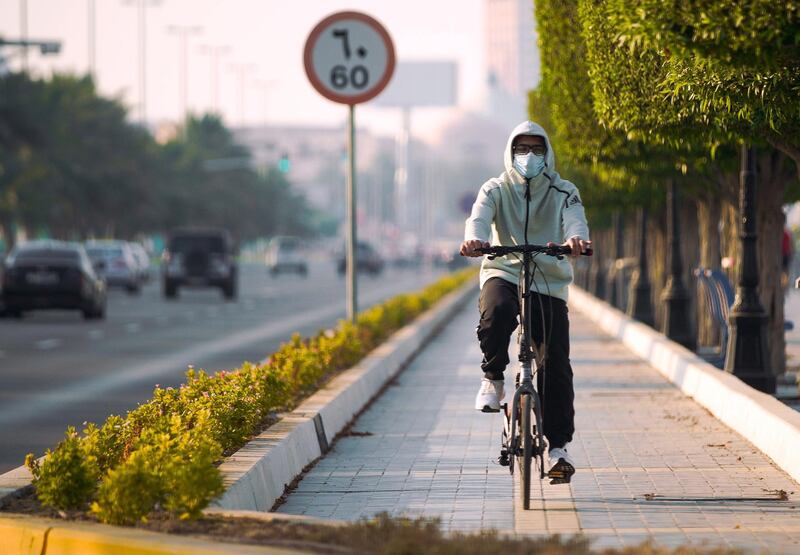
(767, 423)
(26, 535)
(257, 475)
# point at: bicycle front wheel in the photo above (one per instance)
(525, 453)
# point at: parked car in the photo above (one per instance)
(287, 254)
(367, 259)
(200, 258)
(116, 263)
(52, 275)
(143, 259)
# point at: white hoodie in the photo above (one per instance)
(556, 214)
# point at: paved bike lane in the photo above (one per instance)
(650, 461)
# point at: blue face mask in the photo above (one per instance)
(529, 165)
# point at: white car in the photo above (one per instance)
(143, 259)
(287, 254)
(115, 262)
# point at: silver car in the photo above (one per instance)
(116, 263)
(143, 259)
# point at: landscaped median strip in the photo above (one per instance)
(761, 419)
(258, 474)
(162, 454)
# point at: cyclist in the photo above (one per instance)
(528, 203)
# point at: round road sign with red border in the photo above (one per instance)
(349, 57)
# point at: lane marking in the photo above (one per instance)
(47, 344)
(115, 379)
(96, 334)
(133, 327)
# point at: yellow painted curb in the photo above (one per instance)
(22, 535)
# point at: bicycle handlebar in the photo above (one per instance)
(555, 250)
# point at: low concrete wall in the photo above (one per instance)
(257, 475)
(767, 423)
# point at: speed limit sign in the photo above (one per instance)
(349, 57)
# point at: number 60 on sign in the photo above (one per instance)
(349, 57)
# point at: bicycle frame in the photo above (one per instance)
(527, 371)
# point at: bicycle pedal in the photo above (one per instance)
(561, 473)
(487, 408)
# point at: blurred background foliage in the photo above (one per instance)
(72, 167)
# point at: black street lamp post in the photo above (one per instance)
(677, 325)
(748, 354)
(640, 306)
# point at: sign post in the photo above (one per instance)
(349, 58)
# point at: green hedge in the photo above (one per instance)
(162, 456)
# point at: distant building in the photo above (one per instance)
(512, 57)
(315, 157)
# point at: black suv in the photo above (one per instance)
(199, 258)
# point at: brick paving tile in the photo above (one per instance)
(651, 463)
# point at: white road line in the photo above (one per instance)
(47, 344)
(93, 387)
(133, 327)
(96, 334)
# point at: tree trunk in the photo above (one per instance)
(709, 214)
(770, 223)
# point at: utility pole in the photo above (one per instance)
(91, 47)
(242, 71)
(265, 87)
(23, 31)
(215, 52)
(183, 32)
(142, 32)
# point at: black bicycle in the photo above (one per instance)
(522, 437)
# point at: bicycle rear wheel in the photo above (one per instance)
(525, 453)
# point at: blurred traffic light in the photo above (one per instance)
(283, 164)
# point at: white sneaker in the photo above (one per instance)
(562, 466)
(490, 395)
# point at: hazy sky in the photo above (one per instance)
(268, 34)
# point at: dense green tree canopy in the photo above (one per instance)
(686, 72)
(71, 166)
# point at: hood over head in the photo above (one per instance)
(528, 128)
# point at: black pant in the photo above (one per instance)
(499, 308)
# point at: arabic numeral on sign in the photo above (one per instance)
(358, 77)
(339, 77)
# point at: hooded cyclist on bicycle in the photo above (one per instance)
(554, 209)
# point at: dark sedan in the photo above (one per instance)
(52, 275)
(367, 260)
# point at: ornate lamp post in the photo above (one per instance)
(748, 357)
(677, 325)
(641, 306)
